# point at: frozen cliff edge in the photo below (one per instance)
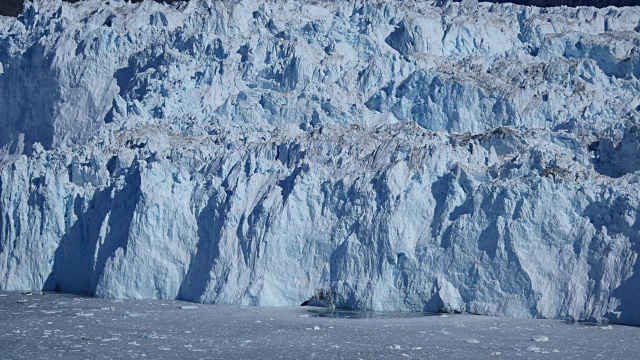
(405, 156)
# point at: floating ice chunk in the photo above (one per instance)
(84, 314)
(188, 307)
(540, 338)
(133, 314)
(449, 297)
(608, 327)
(473, 341)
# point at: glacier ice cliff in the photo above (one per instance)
(406, 155)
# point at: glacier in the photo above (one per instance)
(404, 155)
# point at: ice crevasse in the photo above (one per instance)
(404, 155)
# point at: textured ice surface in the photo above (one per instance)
(406, 156)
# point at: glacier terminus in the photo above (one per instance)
(403, 155)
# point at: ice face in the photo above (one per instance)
(464, 157)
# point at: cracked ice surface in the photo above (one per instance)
(468, 157)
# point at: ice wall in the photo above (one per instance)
(404, 155)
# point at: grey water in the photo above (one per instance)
(366, 314)
(67, 326)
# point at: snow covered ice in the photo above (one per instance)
(407, 156)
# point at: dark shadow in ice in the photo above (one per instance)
(74, 269)
(616, 160)
(122, 211)
(29, 92)
(210, 228)
(629, 295)
(612, 215)
(440, 189)
(400, 40)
